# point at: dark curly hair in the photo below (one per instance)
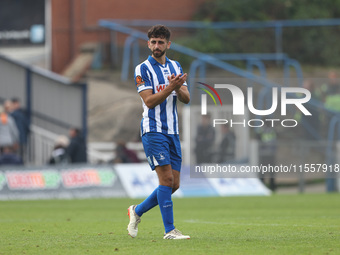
(159, 31)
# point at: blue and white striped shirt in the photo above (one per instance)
(152, 75)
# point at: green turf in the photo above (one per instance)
(279, 224)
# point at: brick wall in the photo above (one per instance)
(75, 21)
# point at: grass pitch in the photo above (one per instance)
(279, 224)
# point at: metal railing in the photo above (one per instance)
(50, 100)
(277, 25)
(41, 145)
(135, 35)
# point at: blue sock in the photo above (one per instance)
(165, 205)
(149, 203)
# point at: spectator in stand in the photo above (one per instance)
(332, 94)
(125, 155)
(8, 106)
(331, 87)
(8, 157)
(76, 151)
(333, 102)
(226, 152)
(267, 151)
(204, 141)
(59, 156)
(9, 135)
(22, 124)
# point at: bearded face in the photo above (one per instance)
(158, 53)
(158, 46)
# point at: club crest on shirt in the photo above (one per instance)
(161, 156)
(139, 81)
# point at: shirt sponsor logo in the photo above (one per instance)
(160, 87)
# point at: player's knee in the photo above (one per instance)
(168, 181)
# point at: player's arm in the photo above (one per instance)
(152, 100)
(183, 94)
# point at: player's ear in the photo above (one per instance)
(149, 44)
(168, 46)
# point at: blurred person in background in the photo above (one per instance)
(333, 102)
(8, 106)
(331, 87)
(22, 124)
(9, 157)
(59, 156)
(332, 94)
(125, 155)
(267, 151)
(226, 152)
(76, 151)
(9, 134)
(205, 138)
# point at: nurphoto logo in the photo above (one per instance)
(239, 106)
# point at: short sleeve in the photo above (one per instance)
(181, 71)
(142, 78)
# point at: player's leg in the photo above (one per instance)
(166, 179)
(157, 152)
(168, 176)
(176, 161)
(151, 201)
(167, 212)
(176, 183)
(136, 211)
